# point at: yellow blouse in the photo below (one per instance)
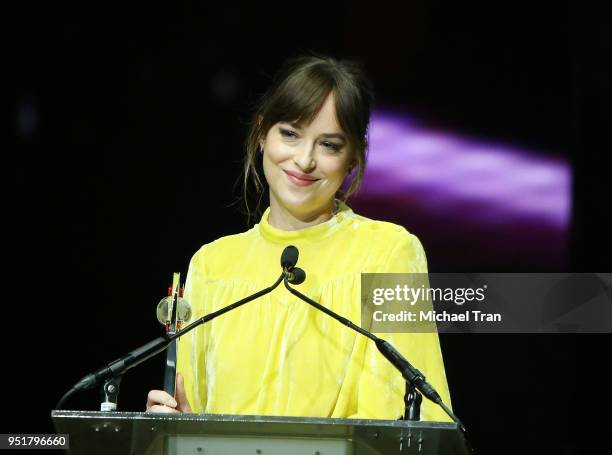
(277, 355)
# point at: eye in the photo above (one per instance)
(331, 145)
(288, 133)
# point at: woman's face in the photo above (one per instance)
(305, 165)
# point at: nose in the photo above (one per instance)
(304, 158)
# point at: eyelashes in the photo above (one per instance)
(331, 145)
(293, 135)
(288, 133)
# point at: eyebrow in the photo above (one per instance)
(327, 135)
(334, 135)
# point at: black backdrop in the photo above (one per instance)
(126, 125)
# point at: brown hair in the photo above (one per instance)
(298, 92)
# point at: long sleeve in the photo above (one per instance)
(381, 386)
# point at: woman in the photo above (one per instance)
(278, 355)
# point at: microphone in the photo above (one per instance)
(409, 372)
(296, 276)
(289, 257)
(292, 273)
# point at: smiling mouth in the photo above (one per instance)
(300, 181)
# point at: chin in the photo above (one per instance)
(297, 204)
(306, 208)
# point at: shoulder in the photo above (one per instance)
(384, 232)
(228, 246)
(391, 243)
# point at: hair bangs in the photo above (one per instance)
(300, 99)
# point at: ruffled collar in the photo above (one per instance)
(321, 230)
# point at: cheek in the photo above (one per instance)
(335, 168)
(273, 157)
(270, 168)
(275, 151)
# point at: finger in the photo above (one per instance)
(162, 409)
(160, 397)
(181, 396)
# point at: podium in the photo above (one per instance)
(135, 433)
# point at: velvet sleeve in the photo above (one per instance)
(381, 386)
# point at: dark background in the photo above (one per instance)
(125, 130)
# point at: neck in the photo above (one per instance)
(282, 218)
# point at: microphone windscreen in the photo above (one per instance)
(298, 276)
(289, 257)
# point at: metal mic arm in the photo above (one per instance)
(137, 356)
(410, 373)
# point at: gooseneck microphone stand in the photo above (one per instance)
(410, 373)
(415, 379)
(412, 403)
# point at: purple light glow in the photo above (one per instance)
(441, 177)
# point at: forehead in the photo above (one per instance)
(324, 121)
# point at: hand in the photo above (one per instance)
(160, 401)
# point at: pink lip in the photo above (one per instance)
(300, 179)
